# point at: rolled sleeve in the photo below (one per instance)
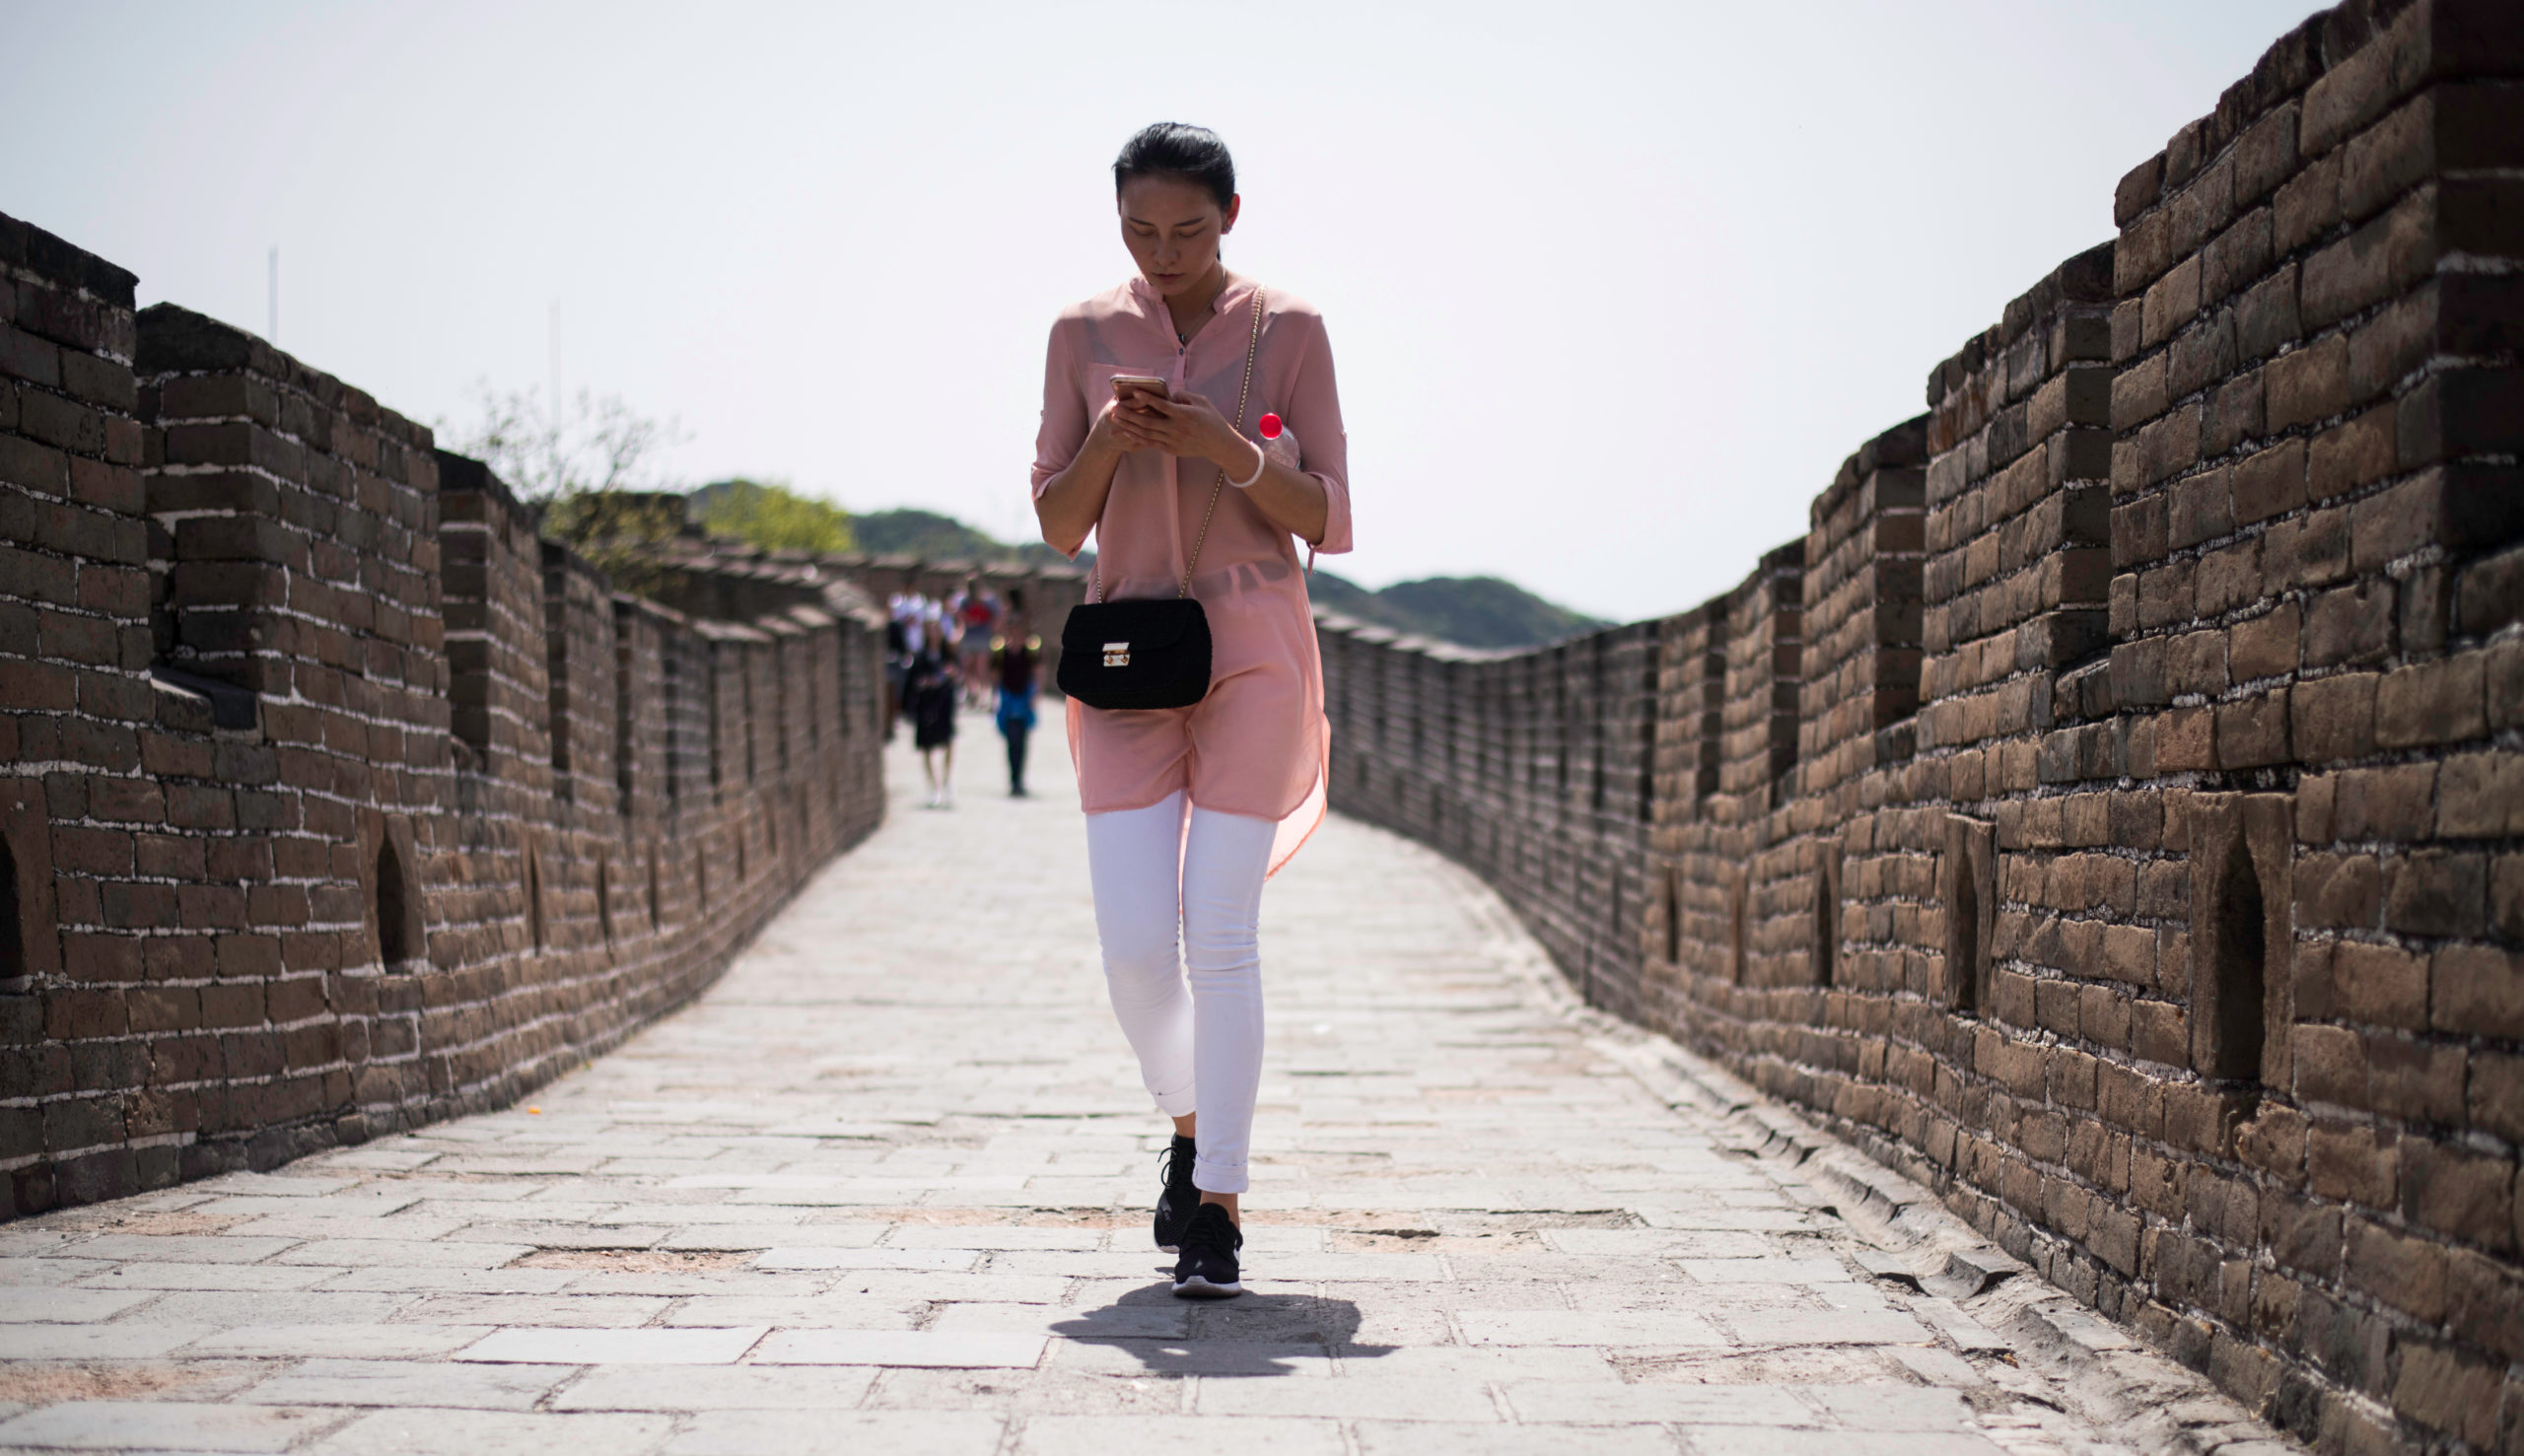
(1314, 413)
(1063, 429)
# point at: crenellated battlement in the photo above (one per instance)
(336, 798)
(2112, 811)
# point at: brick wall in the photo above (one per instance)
(333, 798)
(2113, 809)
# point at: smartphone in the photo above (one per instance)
(1148, 383)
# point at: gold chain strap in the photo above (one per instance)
(1243, 395)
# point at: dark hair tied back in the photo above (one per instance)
(1193, 153)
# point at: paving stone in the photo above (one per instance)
(800, 1433)
(1936, 1366)
(180, 1248)
(1613, 1402)
(310, 1181)
(1110, 1435)
(96, 1342)
(1460, 1438)
(715, 1388)
(1111, 1356)
(393, 1279)
(1033, 1393)
(1170, 1320)
(452, 1432)
(280, 1307)
(814, 1311)
(1400, 1398)
(1966, 1333)
(1754, 1440)
(1825, 1327)
(404, 1383)
(948, 1349)
(949, 1260)
(739, 1283)
(25, 1273)
(577, 1347)
(309, 1227)
(892, 1283)
(1476, 1362)
(355, 1253)
(391, 1160)
(91, 1425)
(1892, 1407)
(345, 1341)
(262, 1277)
(930, 1236)
(433, 1188)
(584, 1311)
(1595, 1327)
(363, 1203)
(1768, 1271)
(22, 1305)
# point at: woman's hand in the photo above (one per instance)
(1106, 435)
(1067, 504)
(1184, 425)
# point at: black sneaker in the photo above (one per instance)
(1176, 1200)
(1206, 1269)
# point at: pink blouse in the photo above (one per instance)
(1258, 744)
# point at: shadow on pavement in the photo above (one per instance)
(1253, 1335)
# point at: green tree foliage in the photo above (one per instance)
(769, 515)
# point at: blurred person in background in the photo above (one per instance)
(930, 698)
(980, 617)
(1016, 661)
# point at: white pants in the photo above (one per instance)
(1200, 1046)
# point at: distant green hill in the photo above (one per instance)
(926, 533)
(1474, 611)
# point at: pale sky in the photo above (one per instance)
(1613, 288)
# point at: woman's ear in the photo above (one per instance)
(1234, 205)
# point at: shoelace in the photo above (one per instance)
(1170, 1169)
(1212, 1231)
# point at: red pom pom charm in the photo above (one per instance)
(1270, 427)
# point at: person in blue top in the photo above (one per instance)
(1017, 663)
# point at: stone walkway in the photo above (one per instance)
(885, 1189)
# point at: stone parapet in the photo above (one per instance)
(333, 799)
(2112, 811)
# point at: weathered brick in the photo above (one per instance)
(2460, 1193)
(2307, 385)
(2333, 717)
(2440, 702)
(2354, 624)
(2478, 990)
(2379, 985)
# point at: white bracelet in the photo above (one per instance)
(1261, 462)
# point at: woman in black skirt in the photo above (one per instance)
(930, 697)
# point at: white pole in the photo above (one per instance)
(554, 342)
(272, 297)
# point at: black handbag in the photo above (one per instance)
(1148, 651)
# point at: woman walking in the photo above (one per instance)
(1190, 809)
(930, 690)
